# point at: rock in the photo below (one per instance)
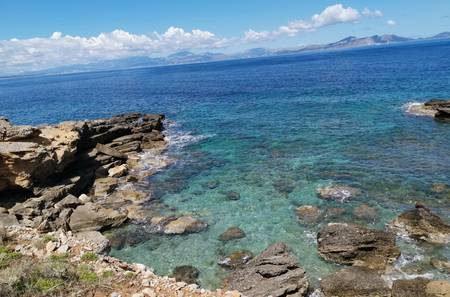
(441, 264)
(84, 198)
(50, 246)
(118, 171)
(420, 287)
(2, 234)
(439, 188)
(212, 184)
(334, 212)
(91, 217)
(350, 244)
(437, 107)
(365, 212)
(69, 201)
(8, 220)
(95, 239)
(355, 282)
(337, 193)
(232, 195)
(231, 234)
(274, 272)
(8, 132)
(186, 273)
(284, 186)
(183, 225)
(236, 259)
(110, 151)
(148, 292)
(421, 224)
(105, 186)
(309, 214)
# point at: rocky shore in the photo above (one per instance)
(62, 185)
(438, 108)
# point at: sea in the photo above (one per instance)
(272, 130)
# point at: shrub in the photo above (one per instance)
(86, 274)
(89, 256)
(48, 284)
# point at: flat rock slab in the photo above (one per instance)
(351, 244)
(91, 217)
(420, 287)
(274, 272)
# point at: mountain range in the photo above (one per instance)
(187, 57)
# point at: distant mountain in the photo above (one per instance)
(187, 57)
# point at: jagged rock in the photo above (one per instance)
(421, 287)
(95, 239)
(105, 186)
(2, 234)
(30, 208)
(186, 273)
(420, 223)
(8, 220)
(63, 219)
(231, 234)
(184, 224)
(274, 272)
(106, 150)
(118, 171)
(351, 244)
(91, 217)
(337, 193)
(69, 201)
(355, 282)
(236, 259)
(309, 214)
(8, 132)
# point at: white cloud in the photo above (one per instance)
(372, 13)
(18, 55)
(391, 22)
(334, 14)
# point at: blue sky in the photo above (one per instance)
(26, 26)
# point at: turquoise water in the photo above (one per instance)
(273, 130)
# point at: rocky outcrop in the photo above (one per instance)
(92, 217)
(421, 224)
(338, 193)
(437, 108)
(420, 287)
(355, 282)
(351, 244)
(274, 272)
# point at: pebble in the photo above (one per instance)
(50, 246)
(115, 294)
(84, 198)
(149, 292)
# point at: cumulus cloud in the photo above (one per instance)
(331, 15)
(391, 22)
(17, 55)
(372, 13)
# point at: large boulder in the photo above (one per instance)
(420, 223)
(421, 287)
(355, 282)
(92, 217)
(350, 244)
(183, 225)
(274, 272)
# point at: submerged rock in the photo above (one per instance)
(350, 244)
(233, 195)
(183, 225)
(337, 193)
(355, 282)
(236, 259)
(365, 212)
(420, 223)
(231, 234)
(441, 264)
(274, 272)
(186, 273)
(421, 287)
(309, 214)
(284, 186)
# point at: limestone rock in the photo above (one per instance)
(420, 223)
(351, 244)
(91, 217)
(118, 171)
(95, 239)
(232, 233)
(420, 287)
(69, 201)
(274, 272)
(337, 193)
(355, 282)
(8, 220)
(184, 224)
(105, 186)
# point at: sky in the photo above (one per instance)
(36, 35)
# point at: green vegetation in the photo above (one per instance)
(89, 256)
(48, 284)
(46, 238)
(86, 274)
(107, 274)
(7, 256)
(129, 274)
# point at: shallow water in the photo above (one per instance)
(273, 130)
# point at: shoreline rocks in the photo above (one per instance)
(274, 272)
(351, 244)
(437, 108)
(421, 224)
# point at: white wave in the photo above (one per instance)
(176, 138)
(418, 109)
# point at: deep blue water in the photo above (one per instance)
(303, 120)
